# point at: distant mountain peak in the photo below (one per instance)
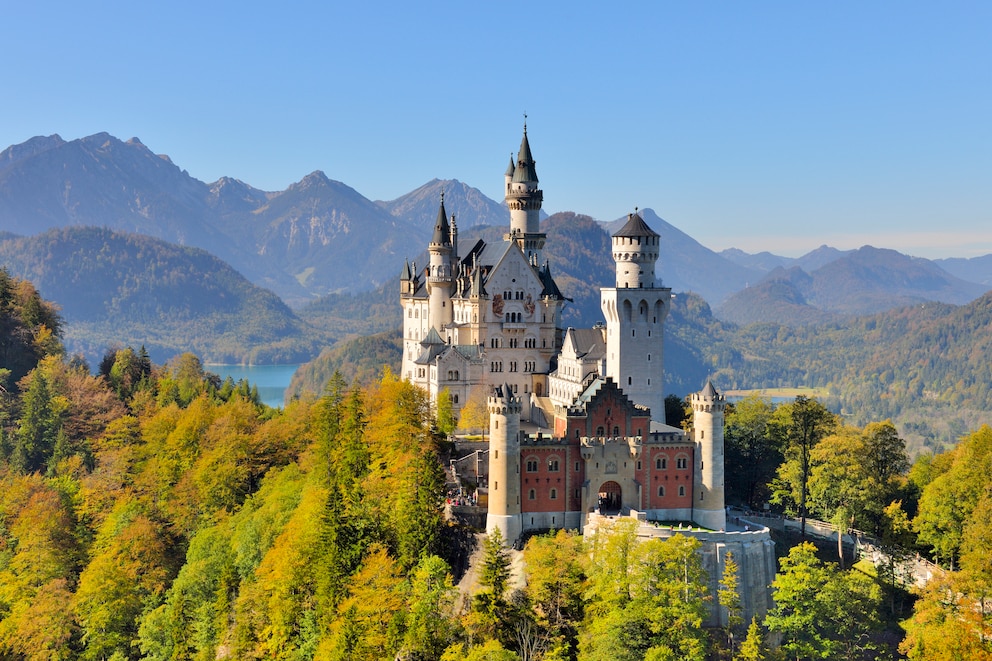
(29, 148)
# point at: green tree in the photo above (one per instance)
(446, 419)
(429, 626)
(822, 613)
(753, 648)
(752, 451)
(491, 610)
(39, 426)
(729, 597)
(808, 422)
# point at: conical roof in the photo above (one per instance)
(635, 226)
(709, 391)
(525, 172)
(442, 231)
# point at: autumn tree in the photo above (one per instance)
(554, 585)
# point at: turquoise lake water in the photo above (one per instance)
(272, 380)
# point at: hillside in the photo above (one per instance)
(863, 281)
(116, 288)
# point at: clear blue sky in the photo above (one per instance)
(766, 126)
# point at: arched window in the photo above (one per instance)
(681, 462)
(553, 465)
(532, 494)
(661, 463)
(682, 490)
(554, 494)
(661, 492)
(532, 464)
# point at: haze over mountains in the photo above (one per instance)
(320, 237)
(135, 251)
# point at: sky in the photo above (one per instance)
(778, 126)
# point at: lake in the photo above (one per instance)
(271, 380)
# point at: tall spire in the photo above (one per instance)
(442, 231)
(524, 199)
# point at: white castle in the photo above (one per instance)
(576, 416)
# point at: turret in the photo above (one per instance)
(440, 278)
(635, 312)
(635, 251)
(524, 199)
(708, 407)
(504, 463)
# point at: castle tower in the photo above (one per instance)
(440, 275)
(708, 506)
(504, 463)
(635, 313)
(524, 199)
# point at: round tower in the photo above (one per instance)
(635, 312)
(635, 251)
(440, 277)
(708, 507)
(504, 463)
(524, 199)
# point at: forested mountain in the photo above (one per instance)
(152, 512)
(116, 288)
(975, 269)
(864, 281)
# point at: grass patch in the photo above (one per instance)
(790, 393)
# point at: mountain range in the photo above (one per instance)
(136, 251)
(319, 236)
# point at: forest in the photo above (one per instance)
(153, 511)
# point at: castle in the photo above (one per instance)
(577, 433)
(577, 416)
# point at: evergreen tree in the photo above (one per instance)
(38, 427)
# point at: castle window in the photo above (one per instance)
(681, 462)
(554, 494)
(553, 465)
(576, 465)
(661, 463)
(702, 434)
(532, 464)
(630, 380)
(532, 494)
(600, 431)
(638, 465)
(681, 490)
(578, 493)
(700, 495)
(616, 431)
(661, 492)
(454, 398)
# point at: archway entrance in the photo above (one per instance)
(610, 497)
